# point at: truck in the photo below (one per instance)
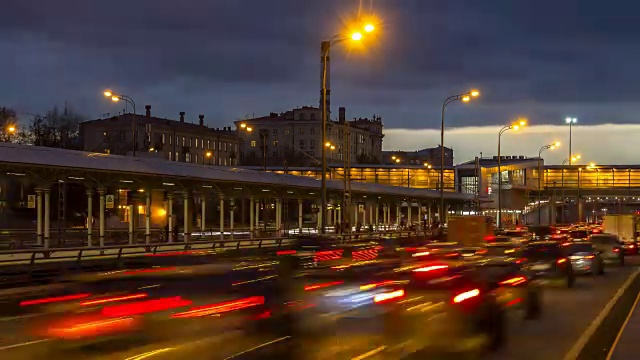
(625, 226)
(469, 230)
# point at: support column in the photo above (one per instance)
(371, 221)
(221, 217)
(335, 218)
(131, 223)
(398, 217)
(384, 216)
(39, 216)
(47, 217)
(89, 216)
(147, 218)
(251, 221)
(319, 222)
(187, 221)
(409, 206)
(429, 216)
(101, 192)
(203, 215)
(231, 213)
(278, 216)
(299, 216)
(377, 212)
(170, 216)
(258, 214)
(419, 215)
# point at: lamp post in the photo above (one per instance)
(208, 154)
(263, 136)
(117, 97)
(570, 121)
(515, 127)
(570, 160)
(466, 97)
(550, 146)
(325, 48)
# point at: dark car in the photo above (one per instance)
(609, 247)
(579, 234)
(584, 258)
(547, 261)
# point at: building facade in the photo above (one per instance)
(429, 156)
(173, 140)
(294, 138)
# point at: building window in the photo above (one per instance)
(163, 139)
(170, 140)
(275, 142)
(225, 146)
(202, 143)
(275, 154)
(312, 143)
(312, 153)
(253, 143)
(301, 117)
(187, 157)
(286, 131)
(275, 131)
(196, 144)
(170, 155)
(208, 145)
(177, 156)
(123, 136)
(313, 116)
(184, 141)
(301, 143)
(190, 142)
(301, 131)
(312, 131)
(196, 158)
(107, 151)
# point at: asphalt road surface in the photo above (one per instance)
(567, 314)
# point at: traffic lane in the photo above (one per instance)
(566, 315)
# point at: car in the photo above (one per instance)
(629, 247)
(504, 250)
(609, 247)
(432, 303)
(518, 235)
(499, 239)
(579, 234)
(547, 261)
(584, 257)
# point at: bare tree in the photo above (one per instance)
(57, 128)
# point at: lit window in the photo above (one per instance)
(275, 142)
(253, 143)
(170, 155)
(177, 156)
(301, 131)
(286, 131)
(163, 139)
(196, 143)
(196, 158)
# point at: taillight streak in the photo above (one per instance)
(323, 285)
(327, 255)
(431, 268)
(514, 281)
(113, 299)
(388, 296)
(221, 307)
(365, 254)
(466, 296)
(285, 252)
(560, 261)
(144, 307)
(54, 299)
(152, 270)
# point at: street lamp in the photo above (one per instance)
(208, 154)
(263, 135)
(325, 48)
(570, 121)
(466, 97)
(117, 97)
(515, 126)
(550, 146)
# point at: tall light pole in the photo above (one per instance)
(325, 48)
(550, 146)
(515, 127)
(117, 97)
(466, 97)
(570, 160)
(570, 121)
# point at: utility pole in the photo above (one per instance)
(346, 157)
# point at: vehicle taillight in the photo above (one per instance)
(323, 285)
(285, 252)
(145, 307)
(560, 261)
(466, 296)
(422, 253)
(616, 250)
(388, 296)
(54, 299)
(219, 308)
(515, 281)
(431, 268)
(113, 299)
(590, 257)
(631, 246)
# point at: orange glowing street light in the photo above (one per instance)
(11, 129)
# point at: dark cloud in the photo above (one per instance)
(230, 58)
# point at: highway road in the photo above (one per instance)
(567, 314)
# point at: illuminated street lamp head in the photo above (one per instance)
(249, 129)
(208, 154)
(11, 129)
(571, 120)
(475, 93)
(115, 98)
(578, 156)
(515, 127)
(108, 93)
(243, 125)
(397, 160)
(556, 144)
(522, 122)
(327, 144)
(332, 147)
(466, 98)
(356, 36)
(393, 157)
(369, 28)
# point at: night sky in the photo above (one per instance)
(543, 59)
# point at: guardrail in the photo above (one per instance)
(78, 254)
